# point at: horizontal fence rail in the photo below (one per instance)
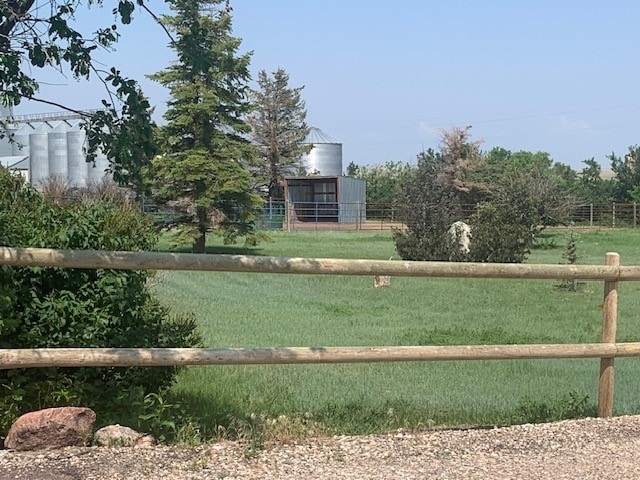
(148, 357)
(43, 257)
(611, 273)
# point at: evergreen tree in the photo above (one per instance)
(279, 129)
(204, 141)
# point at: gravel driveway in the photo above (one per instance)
(577, 449)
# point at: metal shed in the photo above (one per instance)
(336, 199)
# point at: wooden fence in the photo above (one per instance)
(611, 273)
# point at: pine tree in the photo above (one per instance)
(204, 141)
(279, 129)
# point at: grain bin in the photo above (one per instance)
(5, 145)
(325, 158)
(20, 143)
(97, 172)
(39, 154)
(57, 143)
(78, 166)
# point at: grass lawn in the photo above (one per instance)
(267, 310)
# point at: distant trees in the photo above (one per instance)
(627, 172)
(279, 128)
(204, 141)
(592, 188)
(384, 182)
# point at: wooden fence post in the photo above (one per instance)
(609, 321)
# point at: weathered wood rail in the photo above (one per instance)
(611, 273)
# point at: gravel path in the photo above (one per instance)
(577, 449)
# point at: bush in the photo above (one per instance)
(56, 307)
(498, 236)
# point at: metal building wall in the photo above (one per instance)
(352, 200)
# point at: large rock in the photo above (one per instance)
(51, 428)
(119, 436)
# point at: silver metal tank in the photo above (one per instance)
(77, 165)
(20, 145)
(5, 145)
(39, 154)
(325, 158)
(57, 139)
(97, 172)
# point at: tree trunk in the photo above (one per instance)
(199, 243)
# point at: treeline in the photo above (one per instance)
(482, 171)
(514, 195)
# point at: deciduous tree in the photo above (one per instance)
(627, 172)
(34, 37)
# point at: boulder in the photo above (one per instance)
(51, 428)
(119, 436)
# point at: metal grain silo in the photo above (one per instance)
(97, 172)
(57, 143)
(6, 148)
(21, 136)
(39, 154)
(325, 158)
(77, 164)
(5, 145)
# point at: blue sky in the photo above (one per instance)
(384, 77)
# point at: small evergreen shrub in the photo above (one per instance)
(60, 307)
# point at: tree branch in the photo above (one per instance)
(158, 21)
(59, 105)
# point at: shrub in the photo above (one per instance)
(57, 307)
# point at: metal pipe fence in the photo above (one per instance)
(372, 216)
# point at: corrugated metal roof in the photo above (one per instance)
(318, 136)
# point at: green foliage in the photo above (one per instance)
(33, 38)
(384, 182)
(627, 172)
(570, 254)
(58, 307)
(513, 196)
(592, 188)
(429, 204)
(569, 406)
(203, 141)
(279, 128)
(499, 235)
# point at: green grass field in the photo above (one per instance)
(267, 310)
